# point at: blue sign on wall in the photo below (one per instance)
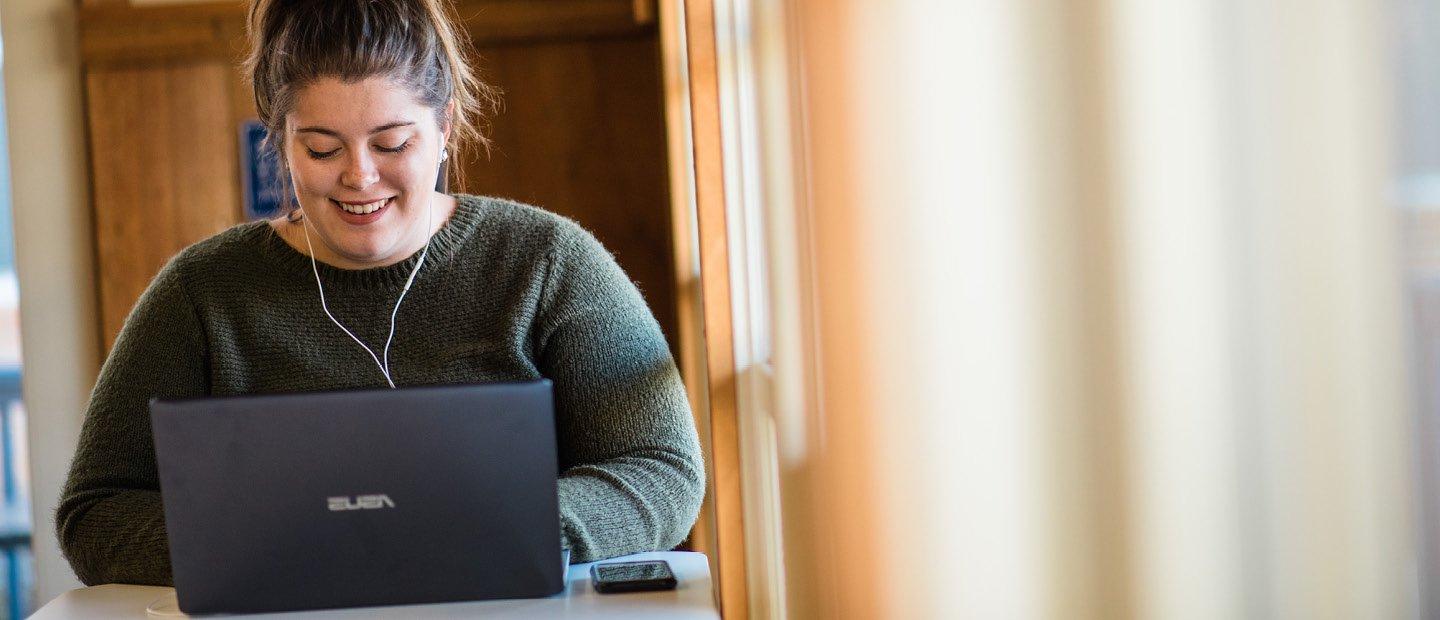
(266, 183)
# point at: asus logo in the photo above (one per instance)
(361, 502)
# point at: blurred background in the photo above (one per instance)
(995, 309)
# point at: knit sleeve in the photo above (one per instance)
(109, 521)
(632, 476)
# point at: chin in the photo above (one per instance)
(367, 254)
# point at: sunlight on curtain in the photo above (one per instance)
(1090, 310)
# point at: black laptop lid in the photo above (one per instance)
(343, 499)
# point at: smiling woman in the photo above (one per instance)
(367, 102)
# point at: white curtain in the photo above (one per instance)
(1085, 309)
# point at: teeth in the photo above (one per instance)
(363, 209)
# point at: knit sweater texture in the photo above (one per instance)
(508, 293)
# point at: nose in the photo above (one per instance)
(359, 172)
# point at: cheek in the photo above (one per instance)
(310, 176)
(407, 173)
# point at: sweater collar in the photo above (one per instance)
(444, 245)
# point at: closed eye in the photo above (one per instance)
(322, 155)
(394, 149)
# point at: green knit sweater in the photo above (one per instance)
(508, 293)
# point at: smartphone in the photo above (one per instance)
(632, 576)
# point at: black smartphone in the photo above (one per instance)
(632, 576)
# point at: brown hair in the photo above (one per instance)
(414, 43)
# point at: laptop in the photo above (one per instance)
(360, 498)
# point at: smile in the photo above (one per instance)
(363, 208)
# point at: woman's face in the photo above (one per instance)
(364, 157)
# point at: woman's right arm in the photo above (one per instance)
(110, 522)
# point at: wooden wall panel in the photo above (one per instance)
(582, 134)
(112, 31)
(163, 172)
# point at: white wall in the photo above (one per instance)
(53, 253)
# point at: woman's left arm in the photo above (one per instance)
(633, 475)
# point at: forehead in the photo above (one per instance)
(354, 107)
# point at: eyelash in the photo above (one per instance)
(327, 154)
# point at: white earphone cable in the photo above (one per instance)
(429, 215)
(385, 365)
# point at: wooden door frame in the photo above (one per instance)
(723, 525)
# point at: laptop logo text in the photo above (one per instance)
(360, 502)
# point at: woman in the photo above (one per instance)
(378, 280)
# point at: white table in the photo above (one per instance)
(691, 599)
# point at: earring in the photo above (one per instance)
(444, 154)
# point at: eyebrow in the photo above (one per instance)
(336, 134)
